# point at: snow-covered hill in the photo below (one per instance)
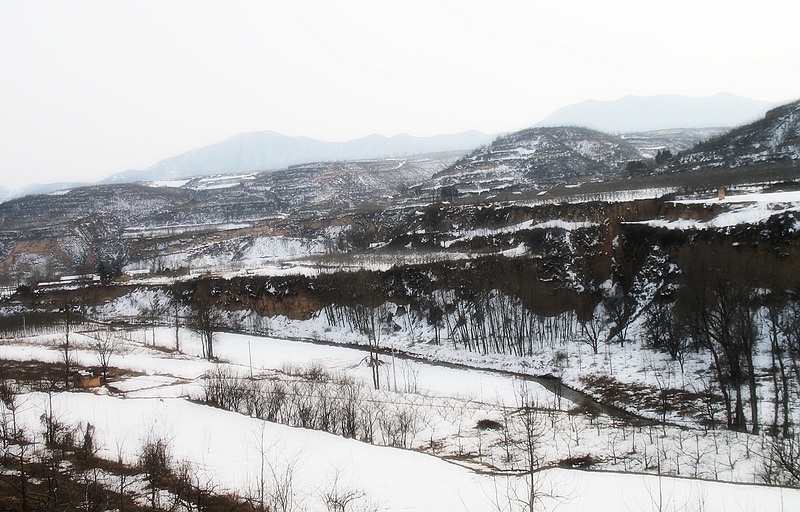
(538, 158)
(771, 140)
(675, 139)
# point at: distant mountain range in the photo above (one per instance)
(639, 113)
(42, 188)
(260, 151)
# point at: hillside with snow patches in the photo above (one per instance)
(90, 224)
(539, 158)
(775, 139)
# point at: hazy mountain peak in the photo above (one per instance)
(646, 113)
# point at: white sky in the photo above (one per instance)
(92, 87)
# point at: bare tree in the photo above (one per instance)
(717, 305)
(66, 348)
(773, 315)
(619, 307)
(790, 329)
(531, 428)
(205, 320)
(781, 465)
(281, 490)
(155, 462)
(176, 304)
(746, 333)
(664, 330)
(258, 491)
(370, 323)
(593, 325)
(106, 344)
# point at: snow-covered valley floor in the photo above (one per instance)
(464, 446)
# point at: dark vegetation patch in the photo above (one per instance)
(581, 462)
(642, 397)
(487, 424)
(46, 377)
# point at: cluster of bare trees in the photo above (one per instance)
(500, 323)
(487, 322)
(313, 398)
(50, 469)
(718, 311)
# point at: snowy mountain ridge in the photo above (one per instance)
(540, 157)
(772, 140)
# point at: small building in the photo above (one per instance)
(721, 194)
(83, 379)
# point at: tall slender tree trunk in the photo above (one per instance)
(67, 361)
(741, 423)
(752, 384)
(723, 387)
(177, 329)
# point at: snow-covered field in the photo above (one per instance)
(452, 465)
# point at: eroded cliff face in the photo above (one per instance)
(552, 258)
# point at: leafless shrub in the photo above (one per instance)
(398, 426)
(781, 465)
(339, 498)
(349, 397)
(155, 462)
(369, 411)
(106, 343)
(303, 406)
(275, 395)
(281, 490)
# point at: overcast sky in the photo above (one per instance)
(89, 88)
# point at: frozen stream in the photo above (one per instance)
(397, 373)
